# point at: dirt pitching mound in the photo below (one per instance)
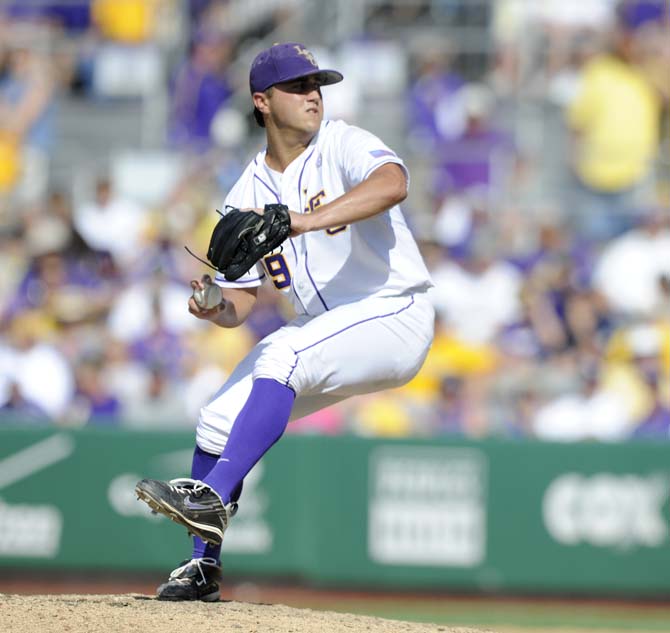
(138, 613)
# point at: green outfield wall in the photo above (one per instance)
(352, 512)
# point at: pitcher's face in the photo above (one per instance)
(297, 105)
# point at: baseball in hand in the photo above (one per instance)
(208, 297)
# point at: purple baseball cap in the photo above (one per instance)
(285, 62)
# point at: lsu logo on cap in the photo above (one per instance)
(307, 55)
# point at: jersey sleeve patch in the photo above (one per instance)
(378, 153)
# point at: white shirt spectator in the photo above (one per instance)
(45, 378)
(453, 222)
(136, 310)
(513, 18)
(577, 14)
(629, 270)
(575, 417)
(476, 305)
(112, 224)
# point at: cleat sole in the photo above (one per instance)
(171, 513)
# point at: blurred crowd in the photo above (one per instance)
(553, 309)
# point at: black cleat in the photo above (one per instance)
(190, 503)
(196, 579)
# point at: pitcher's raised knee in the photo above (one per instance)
(281, 363)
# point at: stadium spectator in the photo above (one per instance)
(17, 409)
(112, 223)
(469, 173)
(161, 406)
(565, 293)
(58, 208)
(478, 157)
(539, 332)
(93, 403)
(126, 21)
(478, 295)
(40, 371)
(435, 113)
(650, 22)
(127, 378)
(27, 111)
(636, 14)
(613, 159)
(591, 412)
(632, 269)
(13, 263)
(656, 425)
(127, 61)
(53, 282)
(448, 358)
(451, 409)
(200, 89)
(565, 24)
(73, 16)
(637, 366)
(148, 313)
(381, 414)
(650, 350)
(10, 166)
(519, 415)
(534, 42)
(198, 8)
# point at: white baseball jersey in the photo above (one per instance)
(364, 320)
(321, 270)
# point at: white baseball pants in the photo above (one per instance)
(368, 346)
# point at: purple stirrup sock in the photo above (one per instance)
(202, 463)
(260, 423)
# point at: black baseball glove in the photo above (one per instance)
(241, 238)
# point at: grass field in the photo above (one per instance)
(518, 616)
(503, 615)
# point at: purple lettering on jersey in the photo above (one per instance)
(378, 153)
(315, 201)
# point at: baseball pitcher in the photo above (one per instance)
(316, 215)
